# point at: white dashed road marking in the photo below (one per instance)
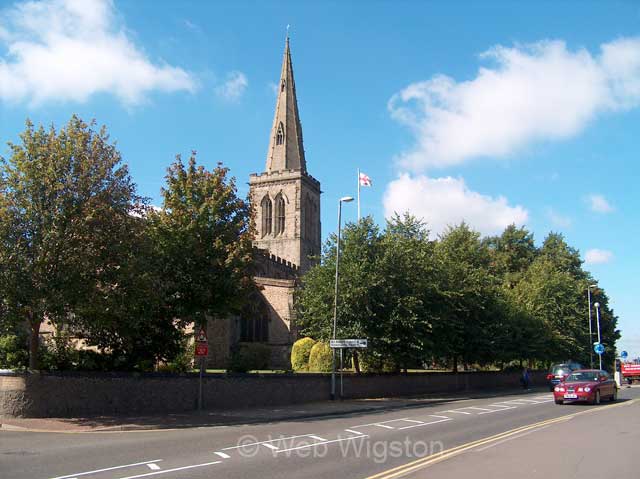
(257, 443)
(171, 470)
(425, 424)
(222, 455)
(352, 431)
(440, 417)
(78, 474)
(153, 466)
(457, 411)
(270, 446)
(383, 426)
(306, 446)
(317, 438)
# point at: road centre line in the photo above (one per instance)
(413, 420)
(381, 422)
(441, 417)
(78, 474)
(222, 455)
(444, 455)
(172, 470)
(478, 408)
(457, 411)
(306, 446)
(496, 410)
(502, 441)
(384, 426)
(253, 444)
(425, 424)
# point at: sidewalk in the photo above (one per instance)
(239, 416)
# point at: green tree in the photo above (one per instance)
(66, 205)
(409, 286)
(468, 290)
(513, 252)
(202, 239)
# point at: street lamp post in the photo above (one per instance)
(590, 326)
(344, 199)
(597, 306)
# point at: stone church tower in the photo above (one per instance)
(286, 197)
(286, 202)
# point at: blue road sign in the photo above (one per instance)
(624, 354)
(598, 348)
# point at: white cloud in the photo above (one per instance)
(442, 202)
(598, 256)
(234, 86)
(541, 91)
(599, 204)
(69, 50)
(559, 220)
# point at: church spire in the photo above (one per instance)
(286, 151)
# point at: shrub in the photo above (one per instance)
(13, 352)
(300, 354)
(320, 358)
(247, 357)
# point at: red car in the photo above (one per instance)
(589, 385)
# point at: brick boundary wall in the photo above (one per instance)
(74, 394)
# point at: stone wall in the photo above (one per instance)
(83, 394)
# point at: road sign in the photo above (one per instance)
(202, 350)
(348, 343)
(202, 335)
(598, 348)
(624, 354)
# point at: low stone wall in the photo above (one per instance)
(84, 394)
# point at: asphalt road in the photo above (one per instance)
(508, 436)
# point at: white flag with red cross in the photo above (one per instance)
(365, 180)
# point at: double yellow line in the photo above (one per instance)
(444, 455)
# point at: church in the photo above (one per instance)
(286, 201)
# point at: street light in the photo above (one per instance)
(597, 306)
(344, 199)
(590, 327)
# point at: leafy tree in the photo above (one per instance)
(66, 206)
(468, 297)
(409, 275)
(202, 239)
(359, 301)
(513, 252)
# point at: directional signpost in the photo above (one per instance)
(343, 344)
(202, 351)
(347, 343)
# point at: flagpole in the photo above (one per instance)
(358, 195)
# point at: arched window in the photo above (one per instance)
(267, 215)
(280, 135)
(279, 214)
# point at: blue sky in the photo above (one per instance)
(492, 113)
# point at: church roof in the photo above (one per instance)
(286, 151)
